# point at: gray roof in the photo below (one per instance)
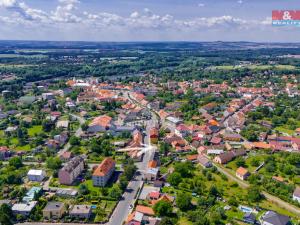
(275, 218)
(81, 209)
(73, 163)
(53, 206)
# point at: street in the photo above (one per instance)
(123, 208)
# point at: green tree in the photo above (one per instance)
(240, 162)
(53, 163)
(174, 179)
(16, 162)
(183, 201)
(6, 215)
(254, 194)
(83, 189)
(163, 208)
(115, 192)
(74, 140)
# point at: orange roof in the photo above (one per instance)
(70, 82)
(192, 157)
(106, 165)
(130, 217)
(152, 164)
(213, 122)
(262, 145)
(280, 179)
(103, 121)
(242, 171)
(163, 114)
(145, 209)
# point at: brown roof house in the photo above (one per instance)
(224, 157)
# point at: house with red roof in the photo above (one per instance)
(103, 172)
(100, 124)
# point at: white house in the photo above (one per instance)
(36, 175)
(24, 208)
(296, 194)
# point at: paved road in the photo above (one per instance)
(123, 209)
(268, 196)
(78, 132)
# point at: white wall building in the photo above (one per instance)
(36, 175)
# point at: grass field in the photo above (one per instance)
(284, 130)
(34, 130)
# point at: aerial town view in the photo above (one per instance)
(149, 112)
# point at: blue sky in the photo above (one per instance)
(145, 20)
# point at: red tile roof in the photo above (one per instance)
(103, 121)
(106, 165)
(144, 209)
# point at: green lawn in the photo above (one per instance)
(184, 221)
(34, 130)
(284, 130)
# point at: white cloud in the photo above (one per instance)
(240, 1)
(201, 4)
(7, 3)
(68, 18)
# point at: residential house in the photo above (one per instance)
(145, 210)
(182, 130)
(36, 175)
(242, 173)
(296, 194)
(54, 210)
(203, 161)
(61, 138)
(23, 208)
(66, 192)
(151, 174)
(172, 122)
(192, 158)
(47, 96)
(249, 218)
(62, 124)
(31, 194)
(224, 157)
(101, 124)
(71, 170)
(66, 156)
(273, 218)
(103, 172)
(52, 144)
(81, 211)
(232, 137)
(154, 135)
(5, 153)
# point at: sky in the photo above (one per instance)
(145, 20)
